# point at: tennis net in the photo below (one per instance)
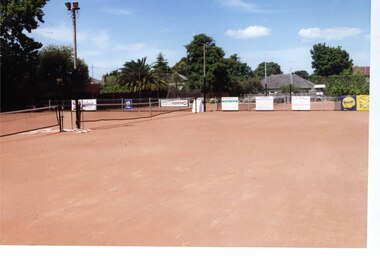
(27, 120)
(133, 109)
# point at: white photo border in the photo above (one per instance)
(373, 212)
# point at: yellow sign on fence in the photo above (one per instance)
(362, 102)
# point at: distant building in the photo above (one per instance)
(364, 70)
(93, 88)
(276, 82)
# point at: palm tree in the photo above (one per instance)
(139, 76)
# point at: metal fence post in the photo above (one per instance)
(322, 103)
(150, 107)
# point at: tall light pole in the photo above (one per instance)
(204, 76)
(291, 83)
(266, 85)
(74, 8)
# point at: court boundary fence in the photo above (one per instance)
(144, 108)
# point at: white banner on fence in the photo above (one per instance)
(300, 102)
(85, 104)
(264, 103)
(230, 103)
(174, 103)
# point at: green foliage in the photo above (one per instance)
(355, 84)
(222, 74)
(302, 73)
(113, 88)
(328, 61)
(289, 88)
(181, 67)
(249, 86)
(237, 70)
(214, 65)
(55, 72)
(138, 76)
(161, 67)
(111, 84)
(18, 51)
(272, 69)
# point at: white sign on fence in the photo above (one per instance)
(174, 103)
(264, 103)
(85, 105)
(230, 103)
(300, 102)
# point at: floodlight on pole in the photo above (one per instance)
(73, 8)
(68, 5)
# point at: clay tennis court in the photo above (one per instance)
(277, 179)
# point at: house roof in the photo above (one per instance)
(277, 81)
(364, 70)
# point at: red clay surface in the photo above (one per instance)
(293, 179)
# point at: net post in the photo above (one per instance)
(150, 107)
(82, 118)
(122, 104)
(71, 114)
(322, 103)
(60, 116)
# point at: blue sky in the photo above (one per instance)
(115, 31)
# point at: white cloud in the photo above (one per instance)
(329, 34)
(250, 32)
(118, 11)
(63, 34)
(100, 40)
(60, 33)
(241, 5)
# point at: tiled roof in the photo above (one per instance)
(277, 81)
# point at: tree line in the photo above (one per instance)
(332, 66)
(31, 73)
(222, 74)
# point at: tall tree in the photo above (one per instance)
(54, 70)
(139, 76)
(302, 73)
(238, 70)
(18, 51)
(327, 61)
(216, 70)
(272, 69)
(161, 66)
(181, 67)
(162, 71)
